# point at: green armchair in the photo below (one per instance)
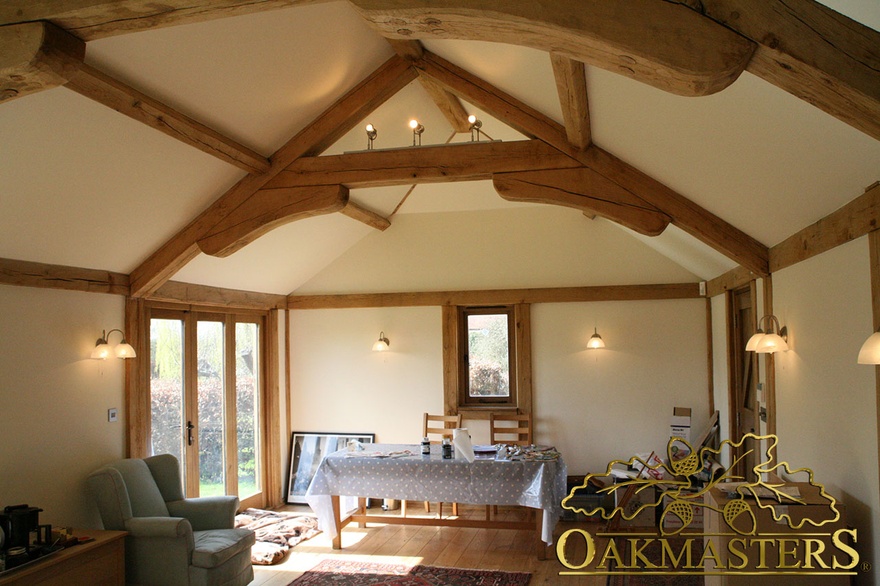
(171, 540)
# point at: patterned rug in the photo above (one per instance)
(354, 573)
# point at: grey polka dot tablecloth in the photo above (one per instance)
(536, 484)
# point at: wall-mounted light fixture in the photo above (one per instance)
(103, 350)
(476, 125)
(372, 133)
(382, 343)
(774, 340)
(870, 352)
(417, 129)
(596, 341)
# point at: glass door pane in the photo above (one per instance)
(167, 387)
(247, 399)
(211, 347)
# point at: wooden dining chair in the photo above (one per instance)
(435, 428)
(513, 429)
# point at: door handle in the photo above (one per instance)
(189, 433)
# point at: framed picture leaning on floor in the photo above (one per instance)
(307, 449)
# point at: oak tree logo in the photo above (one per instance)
(683, 480)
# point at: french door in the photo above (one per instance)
(206, 397)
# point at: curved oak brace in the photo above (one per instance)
(268, 209)
(36, 56)
(664, 45)
(582, 189)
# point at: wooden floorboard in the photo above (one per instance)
(457, 547)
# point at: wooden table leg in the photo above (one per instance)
(539, 530)
(362, 510)
(337, 520)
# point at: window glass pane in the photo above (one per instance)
(166, 387)
(247, 399)
(488, 355)
(210, 397)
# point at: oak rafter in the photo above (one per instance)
(104, 89)
(685, 214)
(332, 124)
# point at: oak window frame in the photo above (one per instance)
(455, 366)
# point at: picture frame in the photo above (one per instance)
(307, 449)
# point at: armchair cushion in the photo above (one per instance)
(143, 494)
(213, 548)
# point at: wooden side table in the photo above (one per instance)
(100, 562)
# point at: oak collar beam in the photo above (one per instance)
(472, 161)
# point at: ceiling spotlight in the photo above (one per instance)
(372, 133)
(417, 129)
(476, 125)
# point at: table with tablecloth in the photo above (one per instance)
(538, 484)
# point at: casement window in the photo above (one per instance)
(488, 356)
(487, 359)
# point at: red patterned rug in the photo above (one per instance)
(355, 573)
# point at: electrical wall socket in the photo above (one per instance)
(112, 415)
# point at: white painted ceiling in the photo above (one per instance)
(84, 186)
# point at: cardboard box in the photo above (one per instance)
(671, 521)
(680, 425)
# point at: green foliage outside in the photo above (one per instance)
(489, 357)
(166, 390)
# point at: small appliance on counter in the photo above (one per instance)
(17, 524)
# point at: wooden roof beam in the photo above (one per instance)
(571, 85)
(470, 161)
(363, 215)
(448, 104)
(98, 19)
(810, 51)
(326, 129)
(801, 46)
(641, 39)
(685, 214)
(36, 56)
(586, 190)
(104, 89)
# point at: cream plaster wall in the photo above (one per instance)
(826, 404)
(54, 399)
(598, 405)
(338, 384)
(593, 405)
(515, 247)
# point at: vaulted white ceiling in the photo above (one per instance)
(82, 185)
